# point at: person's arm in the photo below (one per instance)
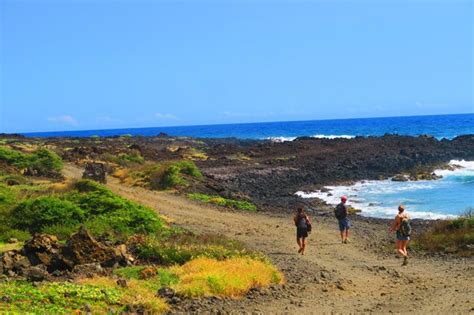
(295, 219)
(308, 219)
(395, 224)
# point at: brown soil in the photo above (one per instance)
(331, 277)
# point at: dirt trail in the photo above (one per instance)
(331, 277)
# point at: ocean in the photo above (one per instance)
(445, 198)
(448, 197)
(441, 126)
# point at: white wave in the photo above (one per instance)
(462, 168)
(281, 139)
(368, 209)
(284, 139)
(333, 136)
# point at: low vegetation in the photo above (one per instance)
(220, 201)
(102, 296)
(181, 247)
(104, 213)
(450, 236)
(193, 265)
(124, 159)
(42, 162)
(232, 277)
(161, 176)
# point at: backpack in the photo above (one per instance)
(340, 212)
(308, 226)
(405, 227)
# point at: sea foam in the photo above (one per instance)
(380, 198)
(284, 139)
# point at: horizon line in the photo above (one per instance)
(225, 124)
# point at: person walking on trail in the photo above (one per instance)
(403, 230)
(303, 226)
(341, 213)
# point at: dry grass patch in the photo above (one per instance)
(232, 277)
(137, 294)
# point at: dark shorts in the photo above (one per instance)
(401, 237)
(301, 232)
(344, 224)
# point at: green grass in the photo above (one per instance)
(450, 236)
(125, 159)
(55, 297)
(183, 247)
(164, 277)
(220, 201)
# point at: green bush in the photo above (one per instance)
(451, 236)
(87, 185)
(46, 162)
(220, 201)
(92, 204)
(36, 214)
(43, 161)
(125, 159)
(170, 175)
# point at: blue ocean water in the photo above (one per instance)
(448, 197)
(441, 126)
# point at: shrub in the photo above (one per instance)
(34, 215)
(220, 201)
(125, 159)
(232, 277)
(452, 236)
(46, 162)
(87, 185)
(170, 175)
(43, 161)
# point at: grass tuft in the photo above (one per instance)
(232, 277)
(220, 201)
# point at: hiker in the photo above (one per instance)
(303, 226)
(344, 223)
(402, 226)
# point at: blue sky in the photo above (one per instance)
(70, 65)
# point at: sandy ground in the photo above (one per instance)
(331, 277)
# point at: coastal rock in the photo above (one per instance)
(400, 178)
(82, 248)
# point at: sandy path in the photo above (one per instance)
(332, 276)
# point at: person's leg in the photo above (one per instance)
(303, 245)
(405, 244)
(399, 245)
(298, 241)
(347, 235)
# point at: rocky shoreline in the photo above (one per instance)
(270, 173)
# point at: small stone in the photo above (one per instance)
(35, 274)
(12, 240)
(87, 308)
(122, 283)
